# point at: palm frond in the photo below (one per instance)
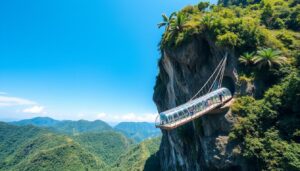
(165, 17)
(247, 58)
(159, 25)
(269, 57)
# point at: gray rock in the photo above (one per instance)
(202, 144)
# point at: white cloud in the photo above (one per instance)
(2, 93)
(19, 103)
(101, 116)
(130, 117)
(7, 101)
(35, 110)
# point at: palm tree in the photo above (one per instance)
(178, 23)
(247, 59)
(269, 57)
(166, 20)
(208, 21)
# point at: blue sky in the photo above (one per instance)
(78, 59)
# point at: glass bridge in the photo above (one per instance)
(193, 109)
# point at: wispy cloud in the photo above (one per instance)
(35, 110)
(25, 108)
(2, 93)
(7, 101)
(130, 117)
(20, 106)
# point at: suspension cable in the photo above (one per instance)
(222, 75)
(220, 72)
(204, 86)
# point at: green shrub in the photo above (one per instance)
(228, 39)
(278, 23)
(294, 21)
(286, 39)
(267, 14)
(189, 9)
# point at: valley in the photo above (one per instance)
(41, 143)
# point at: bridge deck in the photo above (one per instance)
(215, 108)
(223, 108)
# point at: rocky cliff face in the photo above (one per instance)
(203, 143)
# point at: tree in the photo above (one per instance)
(247, 59)
(269, 57)
(267, 15)
(207, 21)
(203, 5)
(166, 20)
(294, 21)
(178, 22)
(211, 23)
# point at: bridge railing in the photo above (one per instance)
(158, 122)
(193, 107)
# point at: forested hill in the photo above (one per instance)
(38, 121)
(261, 39)
(107, 145)
(138, 131)
(33, 148)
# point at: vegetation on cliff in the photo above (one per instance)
(268, 129)
(242, 28)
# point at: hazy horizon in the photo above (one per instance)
(112, 124)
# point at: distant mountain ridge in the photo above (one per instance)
(82, 126)
(38, 121)
(137, 131)
(66, 126)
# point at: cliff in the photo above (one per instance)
(191, 48)
(203, 143)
